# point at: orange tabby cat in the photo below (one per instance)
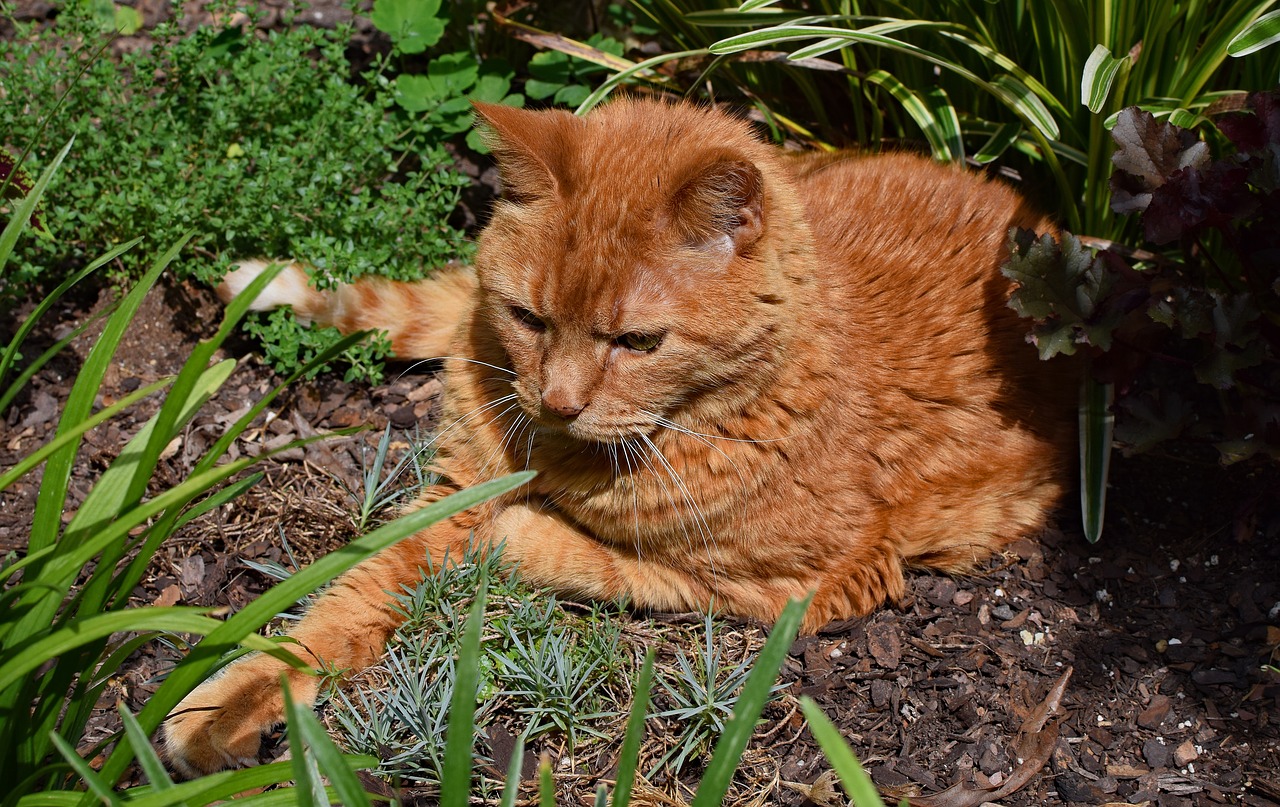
(743, 376)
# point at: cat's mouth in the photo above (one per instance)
(591, 430)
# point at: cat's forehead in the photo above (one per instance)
(605, 289)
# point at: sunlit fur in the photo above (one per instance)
(839, 390)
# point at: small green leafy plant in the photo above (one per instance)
(261, 143)
(540, 669)
(564, 79)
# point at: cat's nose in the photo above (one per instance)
(562, 403)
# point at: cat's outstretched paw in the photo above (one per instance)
(221, 723)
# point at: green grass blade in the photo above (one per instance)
(74, 433)
(10, 353)
(853, 778)
(147, 757)
(63, 567)
(1018, 97)
(753, 5)
(1261, 33)
(95, 528)
(177, 408)
(29, 656)
(117, 491)
(57, 473)
(602, 92)
(455, 783)
(755, 694)
(714, 18)
(511, 788)
(1100, 72)
(329, 760)
(204, 656)
(629, 754)
(283, 797)
(948, 123)
(819, 48)
(94, 782)
(44, 358)
(917, 109)
(223, 443)
(218, 499)
(307, 791)
(23, 210)
(998, 143)
(546, 784)
(226, 785)
(1097, 426)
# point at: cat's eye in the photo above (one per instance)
(640, 342)
(527, 318)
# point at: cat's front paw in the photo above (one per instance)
(221, 722)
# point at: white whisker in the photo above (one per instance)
(421, 362)
(627, 448)
(465, 419)
(670, 424)
(675, 427)
(700, 521)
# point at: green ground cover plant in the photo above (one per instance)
(261, 143)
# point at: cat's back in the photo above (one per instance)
(909, 210)
(908, 257)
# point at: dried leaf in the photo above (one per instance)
(1035, 746)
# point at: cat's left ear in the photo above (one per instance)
(529, 147)
(721, 206)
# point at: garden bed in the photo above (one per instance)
(1166, 624)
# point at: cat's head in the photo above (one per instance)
(631, 272)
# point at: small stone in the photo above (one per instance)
(1156, 753)
(962, 598)
(1126, 771)
(170, 596)
(403, 417)
(1073, 787)
(885, 647)
(1185, 753)
(881, 690)
(941, 592)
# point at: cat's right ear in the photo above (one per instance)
(529, 147)
(721, 206)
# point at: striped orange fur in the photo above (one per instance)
(743, 376)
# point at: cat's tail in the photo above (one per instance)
(420, 317)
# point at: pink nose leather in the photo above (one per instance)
(561, 404)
